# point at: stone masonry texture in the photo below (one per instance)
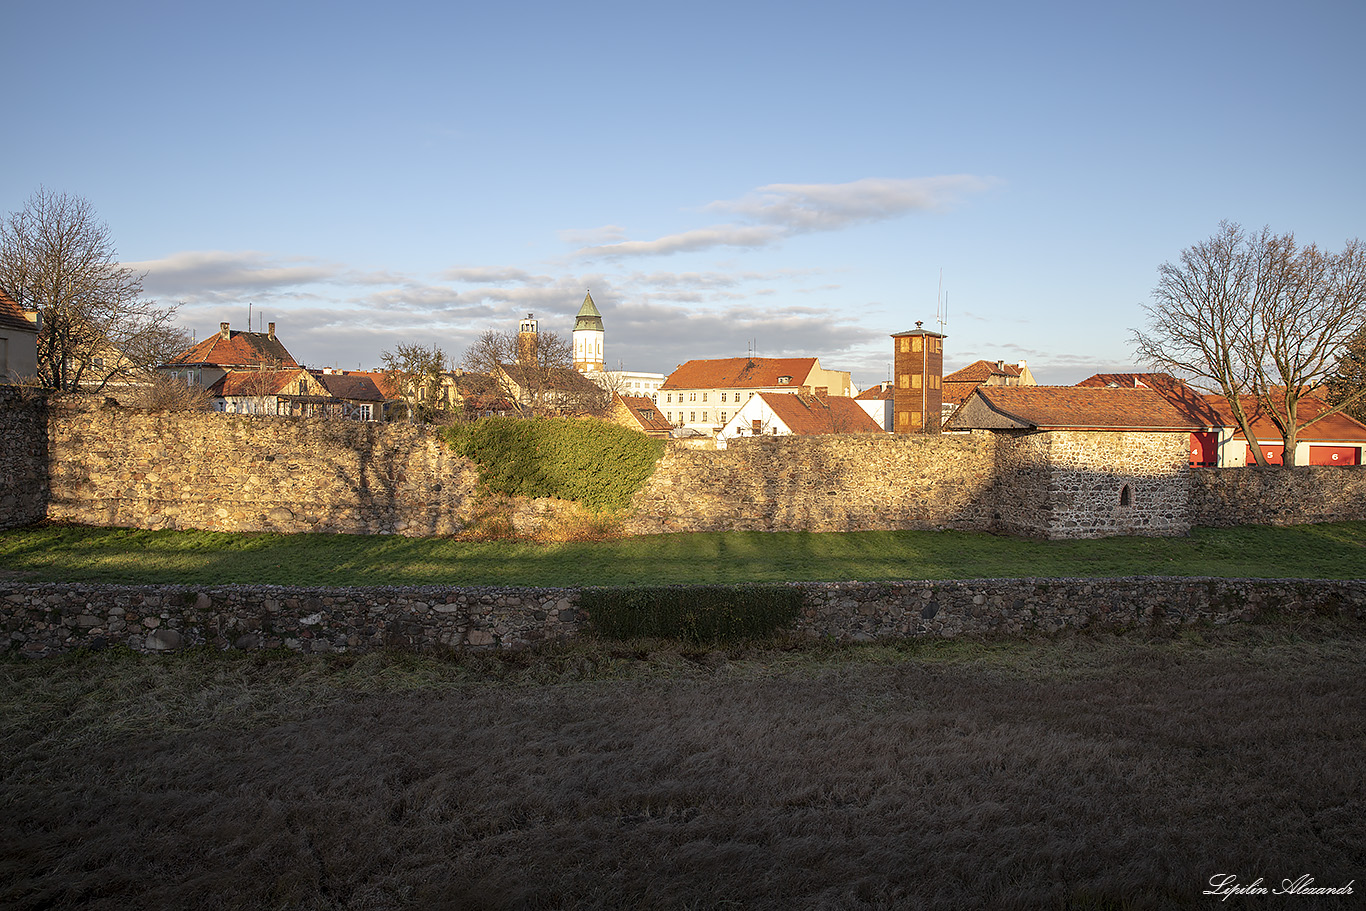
(99, 464)
(40, 620)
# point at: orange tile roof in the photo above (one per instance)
(980, 371)
(876, 393)
(239, 349)
(1133, 380)
(639, 405)
(255, 382)
(1082, 408)
(355, 387)
(12, 315)
(740, 372)
(812, 414)
(1338, 427)
(953, 392)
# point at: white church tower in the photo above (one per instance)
(588, 338)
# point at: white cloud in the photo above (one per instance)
(781, 210)
(214, 274)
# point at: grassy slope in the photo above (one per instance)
(1079, 772)
(68, 553)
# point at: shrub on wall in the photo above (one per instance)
(694, 613)
(598, 464)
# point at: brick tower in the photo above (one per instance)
(918, 397)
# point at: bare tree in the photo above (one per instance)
(1261, 321)
(1347, 385)
(417, 373)
(58, 258)
(535, 374)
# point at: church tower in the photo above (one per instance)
(528, 339)
(588, 338)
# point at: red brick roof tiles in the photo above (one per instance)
(640, 406)
(740, 372)
(980, 371)
(811, 414)
(239, 349)
(12, 316)
(1084, 408)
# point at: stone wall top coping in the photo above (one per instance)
(408, 590)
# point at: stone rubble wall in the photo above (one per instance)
(224, 472)
(40, 620)
(1223, 497)
(23, 456)
(825, 483)
(1090, 484)
(110, 466)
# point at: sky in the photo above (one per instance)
(789, 179)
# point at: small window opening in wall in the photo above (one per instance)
(1126, 496)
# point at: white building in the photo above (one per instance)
(702, 395)
(590, 340)
(786, 414)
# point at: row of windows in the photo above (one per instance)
(692, 397)
(722, 416)
(912, 343)
(912, 381)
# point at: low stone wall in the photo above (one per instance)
(40, 620)
(1223, 497)
(23, 456)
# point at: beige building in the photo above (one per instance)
(18, 342)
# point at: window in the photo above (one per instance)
(915, 381)
(723, 396)
(670, 416)
(704, 396)
(1126, 496)
(915, 418)
(647, 414)
(905, 381)
(915, 343)
(668, 398)
(904, 417)
(784, 380)
(692, 417)
(692, 396)
(365, 412)
(905, 344)
(723, 417)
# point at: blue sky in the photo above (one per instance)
(792, 176)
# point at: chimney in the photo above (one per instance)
(1000, 366)
(822, 391)
(223, 330)
(270, 330)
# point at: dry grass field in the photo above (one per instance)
(1087, 772)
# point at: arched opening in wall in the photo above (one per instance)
(1126, 496)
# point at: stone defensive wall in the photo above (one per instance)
(100, 464)
(824, 483)
(23, 457)
(39, 620)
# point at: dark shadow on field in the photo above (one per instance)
(1086, 774)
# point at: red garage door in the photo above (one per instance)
(1205, 448)
(1334, 455)
(1272, 451)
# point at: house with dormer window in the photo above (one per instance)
(702, 395)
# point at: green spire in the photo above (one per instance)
(588, 316)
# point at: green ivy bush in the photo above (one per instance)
(719, 614)
(596, 463)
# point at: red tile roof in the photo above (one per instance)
(1073, 408)
(239, 349)
(811, 414)
(877, 393)
(12, 315)
(980, 371)
(640, 406)
(1133, 380)
(256, 382)
(740, 372)
(1338, 427)
(354, 387)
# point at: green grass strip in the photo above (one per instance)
(74, 553)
